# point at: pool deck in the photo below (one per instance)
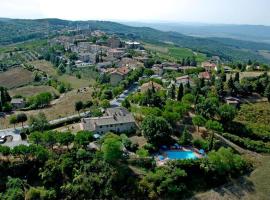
(194, 150)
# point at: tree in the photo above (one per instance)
(185, 138)
(21, 118)
(164, 183)
(267, 92)
(7, 107)
(65, 138)
(112, 149)
(237, 77)
(142, 153)
(14, 190)
(39, 122)
(171, 92)
(83, 138)
(207, 107)
(40, 193)
(13, 120)
(5, 150)
(126, 104)
(180, 93)
(78, 106)
(219, 87)
(156, 130)
(213, 126)
(224, 162)
(22, 151)
(35, 137)
(223, 77)
(105, 103)
(40, 100)
(226, 113)
(231, 86)
(198, 121)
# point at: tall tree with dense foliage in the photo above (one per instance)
(185, 138)
(156, 130)
(165, 183)
(171, 91)
(83, 138)
(231, 86)
(180, 93)
(224, 162)
(78, 106)
(227, 113)
(21, 118)
(40, 100)
(213, 126)
(39, 122)
(267, 92)
(112, 149)
(198, 121)
(65, 138)
(237, 77)
(219, 87)
(13, 120)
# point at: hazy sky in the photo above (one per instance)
(207, 11)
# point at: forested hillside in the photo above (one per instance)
(12, 30)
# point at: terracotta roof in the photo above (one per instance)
(209, 64)
(205, 75)
(121, 70)
(149, 85)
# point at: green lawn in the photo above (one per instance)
(172, 53)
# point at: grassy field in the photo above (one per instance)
(44, 66)
(88, 76)
(74, 81)
(171, 53)
(246, 74)
(31, 90)
(15, 77)
(162, 49)
(255, 186)
(64, 106)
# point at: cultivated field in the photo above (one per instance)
(175, 53)
(44, 66)
(246, 74)
(31, 90)
(15, 77)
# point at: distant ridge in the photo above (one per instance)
(18, 30)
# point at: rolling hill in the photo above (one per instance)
(17, 30)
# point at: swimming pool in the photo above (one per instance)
(174, 155)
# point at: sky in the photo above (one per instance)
(204, 11)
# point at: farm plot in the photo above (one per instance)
(31, 90)
(44, 66)
(15, 77)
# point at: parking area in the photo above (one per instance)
(15, 137)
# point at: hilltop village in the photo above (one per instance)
(98, 115)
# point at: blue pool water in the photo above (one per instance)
(173, 155)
